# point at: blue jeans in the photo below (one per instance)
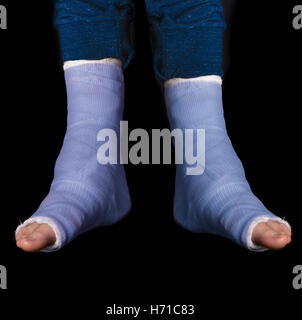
(186, 35)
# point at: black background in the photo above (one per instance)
(147, 258)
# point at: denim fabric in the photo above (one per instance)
(186, 35)
(95, 29)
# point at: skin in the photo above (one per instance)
(271, 234)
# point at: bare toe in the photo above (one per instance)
(35, 237)
(26, 230)
(271, 234)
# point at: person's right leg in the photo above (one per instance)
(84, 193)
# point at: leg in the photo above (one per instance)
(85, 194)
(187, 44)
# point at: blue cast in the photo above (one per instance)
(220, 200)
(84, 193)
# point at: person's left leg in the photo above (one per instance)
(187, 46)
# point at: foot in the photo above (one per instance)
(87, 191)
(214, 196)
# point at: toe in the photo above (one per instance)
(26, 230)
(279, 227)
(32, 243)
(271, 236)
(40, 237)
